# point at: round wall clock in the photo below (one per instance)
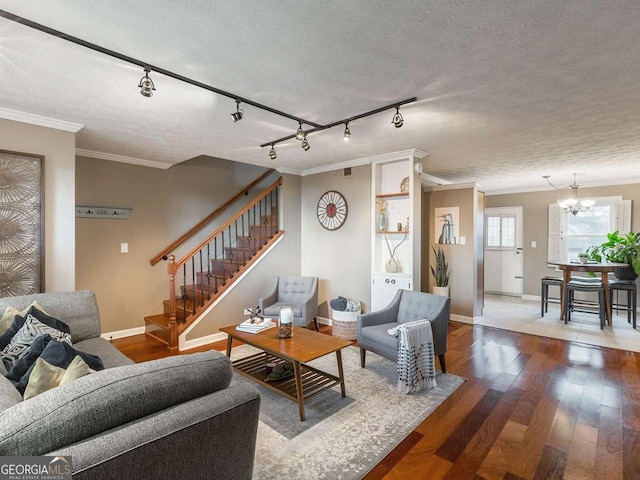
(332, 210)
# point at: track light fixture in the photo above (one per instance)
(397, 121)
(347, 133)
(238, 114)
(272, 153)
(146, 85)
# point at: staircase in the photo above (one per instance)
(211, 268)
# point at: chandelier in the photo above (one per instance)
(572, 204)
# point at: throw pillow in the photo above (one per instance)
(22, 340)
(9, 314)
(18, 322)
(46, 376)
(59, 354)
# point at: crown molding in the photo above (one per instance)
(335, 166)
(357, 162)
(546, 188)
(451, 186)
(289, 170)
(39, 120)
(122, 159)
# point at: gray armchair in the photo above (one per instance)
(299, 293)
(406, 306)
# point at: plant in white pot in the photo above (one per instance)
(440, 273)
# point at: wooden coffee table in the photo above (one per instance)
(304, 346)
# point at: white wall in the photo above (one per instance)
(58, 149)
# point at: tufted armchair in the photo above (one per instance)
(406, 306)
(300, 293)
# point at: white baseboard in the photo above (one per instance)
(324, 321)
(531, 297)
(464, 319)
(129, 332)
(199, 342)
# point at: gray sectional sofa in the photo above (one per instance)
(171, 418)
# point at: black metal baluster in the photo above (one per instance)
(224, 273)
(199, 284)
(209, 271)
(215, 269)
(193, 276)
(184, 283)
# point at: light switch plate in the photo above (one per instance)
(534, 244)
(124, 248)
(463, 240)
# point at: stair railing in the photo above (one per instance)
(209, 266)
(162, 255)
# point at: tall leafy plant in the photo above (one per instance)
(440, 270)
(620, 249)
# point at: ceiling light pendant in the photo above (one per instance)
(573, 204)
(305, 144)
(347, 133)
(300, 133)
(238, 114)
(146, 85)
(272, 153)
(397, 121)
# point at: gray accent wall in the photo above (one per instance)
(341, 259)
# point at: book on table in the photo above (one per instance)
(256, 325)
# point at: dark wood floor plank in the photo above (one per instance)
(608, 461)
(562, 428)
(582, 454)
(552, 464)
(394, 456)
(462, 435)
(502, 454)
(630, 454)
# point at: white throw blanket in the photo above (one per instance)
(416, 360)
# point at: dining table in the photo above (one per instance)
(603, 268)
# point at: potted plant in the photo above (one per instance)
(440, 273)
(620, 249)
(583, 257)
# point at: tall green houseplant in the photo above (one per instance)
(440, 271)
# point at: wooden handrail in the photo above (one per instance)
(198, 226)
(238, 214)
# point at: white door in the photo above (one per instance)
(504, 252)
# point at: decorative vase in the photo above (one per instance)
(285, 322)
(392, 266)
(382, 222)
(625, 273)
(444, 291)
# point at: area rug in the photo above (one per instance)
(342, 438)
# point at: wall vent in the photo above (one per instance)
(343, 172)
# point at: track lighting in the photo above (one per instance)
(347, 133)
(397, 121)
(305, 144)
(272, 153)
(238, 114)
(146, 85)
(300, 133)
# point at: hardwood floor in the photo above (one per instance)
(531, 408)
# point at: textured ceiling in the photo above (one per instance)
(507, 91)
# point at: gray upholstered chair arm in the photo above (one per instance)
(310, 303)
(211, 436)
(386, 315)
(270, 298)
